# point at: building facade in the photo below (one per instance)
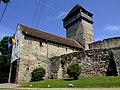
(33, 48)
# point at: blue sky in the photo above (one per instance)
(106, 16)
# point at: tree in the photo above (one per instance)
(6, 1)
(4, 45)
(74, 70)
(5, 58)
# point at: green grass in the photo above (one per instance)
(88, 82)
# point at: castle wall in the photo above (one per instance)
(106, 43)
(34, 53)
(92, 62)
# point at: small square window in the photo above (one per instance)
(66, 49)
(27, 68)
(41, 44)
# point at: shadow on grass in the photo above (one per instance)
(36, 80)
(69, 79)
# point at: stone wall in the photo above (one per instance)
(35, 53)
(88, 34)
(106, 43)
(93, 62)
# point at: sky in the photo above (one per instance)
(106, 16)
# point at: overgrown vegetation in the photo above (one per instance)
(87, 82)
(5, 56)
(38, 74)
(74, 70)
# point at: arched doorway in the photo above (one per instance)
(13, 71)
(111, 70)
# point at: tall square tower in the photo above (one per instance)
(78, 25)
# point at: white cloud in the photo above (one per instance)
(60, 16)
(112, 28)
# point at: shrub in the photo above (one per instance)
(38, 74)
(74, 70)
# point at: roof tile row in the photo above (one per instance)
(50, 37)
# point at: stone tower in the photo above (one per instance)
(78, 25)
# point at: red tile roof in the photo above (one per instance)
(50, 37)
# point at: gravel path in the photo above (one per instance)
(9, 86)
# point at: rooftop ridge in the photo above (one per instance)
(45, 32)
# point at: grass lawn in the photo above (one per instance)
(87, 82)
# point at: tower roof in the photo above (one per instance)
(75, 9)
(49, 37)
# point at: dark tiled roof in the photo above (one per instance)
(74, 9)
(50, 37)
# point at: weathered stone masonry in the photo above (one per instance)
(106, 43)
(34, 48)
(93, 62)
(34, 55)
(78, 24)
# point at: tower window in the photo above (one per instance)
(41, 44)
(27, 68)
(66, 49)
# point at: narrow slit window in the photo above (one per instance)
(66, 49)
(41, 44)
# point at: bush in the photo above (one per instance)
(74, 70)
(38, 74)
